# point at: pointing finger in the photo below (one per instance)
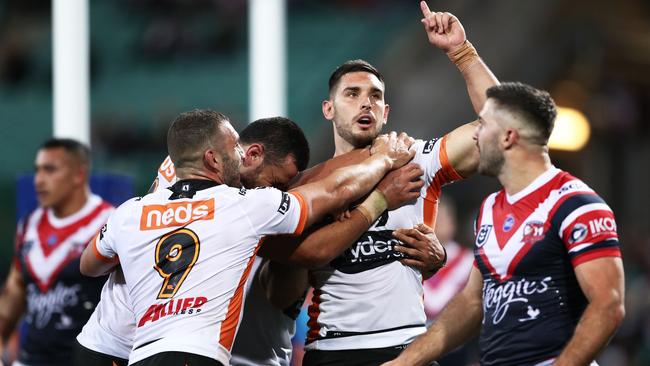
(425, 8)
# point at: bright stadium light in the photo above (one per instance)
(571, 131)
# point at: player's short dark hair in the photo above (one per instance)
(536, 106)
(191, 132)
(352, 66)
(280, 137)
(78, 150)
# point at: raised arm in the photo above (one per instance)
(602, 282)
(446, 32)
(459, 321)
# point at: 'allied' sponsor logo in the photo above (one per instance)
(175, 214)
(189, 305)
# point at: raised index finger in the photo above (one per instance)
(425, 8)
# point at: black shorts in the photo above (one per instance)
(82, 356)
(177, 359)
(357, 357)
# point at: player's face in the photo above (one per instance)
(232, 158)
(487, 135)
(267, 174)
(57, 176)
(357, 108)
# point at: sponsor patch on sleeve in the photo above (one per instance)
(285, 203)
(428, 146)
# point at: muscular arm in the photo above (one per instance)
(345, 185)
(602, 282)
(459, 321)
(93, 264)
(446, 32)
(12, 304)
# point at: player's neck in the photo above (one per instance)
(73, 204)
(341, 146)
(184, 174)
(521, 170)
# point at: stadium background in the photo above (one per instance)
(151, 59)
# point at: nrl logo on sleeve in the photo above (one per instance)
(102, 231)
(285, 203)
(428, 146)
(483, 234)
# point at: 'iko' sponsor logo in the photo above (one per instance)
(602, 224)
(175, 214)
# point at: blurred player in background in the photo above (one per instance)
(547, 285)
(450, 279)
(44, 282)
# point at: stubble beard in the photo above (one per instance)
(231, 171)
(357, 140)
(490, 162)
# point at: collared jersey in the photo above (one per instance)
(366, 298)
(527, 246)
(59, 299)
(186, 254)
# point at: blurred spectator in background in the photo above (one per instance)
(450, 279)
(44, 282)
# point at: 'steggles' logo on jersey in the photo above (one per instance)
(284, 204)
(483, 234)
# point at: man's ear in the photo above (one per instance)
(328, 109)
(509, 138)
(253, 155)
(212, 160)
(386, 111)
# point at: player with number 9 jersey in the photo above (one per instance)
(172, 291)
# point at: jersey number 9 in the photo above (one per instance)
(176, 254)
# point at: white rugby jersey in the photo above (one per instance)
(186, 260)
(365, 298)
(111, 327)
